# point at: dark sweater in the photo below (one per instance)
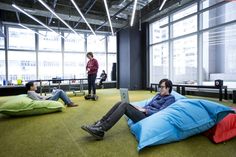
(158, 103)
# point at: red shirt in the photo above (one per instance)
(93, 66)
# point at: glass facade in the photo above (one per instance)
(50, 42)
(50, 65)
(74, 65)
(111, 40)
(21, 39)
(49, 56)
(111, 57)
(2, 67)
(218, 37)
(200, 47)
(220, 15)
(99, 41)
(101, 58)
(184, 27)
(74, 43)
(158, 31)
(1, 42)
(185, 60)
(185, 12)
(21, 65)
(208, 3)
(159, 59)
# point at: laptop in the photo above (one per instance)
(124, 95)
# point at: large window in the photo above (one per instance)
(2, 67)
(208, 3)
(21, 39)
(184, 12)
(111, 60)
(224, 13)
(49, 56)
(74, 62)
(1, 37)
(50, 65)
(96, 43)
(74, 65)
(218, 43)
(186, 26)
(111, 44)
(54, 57)
(74, 42)
(209, 51)
(1, 42)
(101, 58)
(159, 60)
(111, 57)
(219, 54)
(158, 31)
(50, 42)
(185, 60)
(21, 65)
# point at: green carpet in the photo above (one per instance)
(59, 134)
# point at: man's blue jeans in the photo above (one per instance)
(60, 94)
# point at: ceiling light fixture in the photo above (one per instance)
(47, 7)
(30, 29)
(163, 3)
(21, 10)
(108, 15)
(35, 19)
(77, 8)
(133, 13)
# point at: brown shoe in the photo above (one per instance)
(72, 105)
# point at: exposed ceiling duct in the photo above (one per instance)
(93, 10)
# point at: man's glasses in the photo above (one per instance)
(162, 87)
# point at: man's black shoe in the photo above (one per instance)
(87, 97)
(95, 131)
(97, 123)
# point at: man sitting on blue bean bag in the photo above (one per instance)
(135, 113)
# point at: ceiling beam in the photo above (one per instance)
(122, 9)
(78, 22)
(92, 19)
(53, 6)
(152, 12)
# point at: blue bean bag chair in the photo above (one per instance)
(184, 118)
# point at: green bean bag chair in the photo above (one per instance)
(21, 105)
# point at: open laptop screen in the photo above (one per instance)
(124, 95)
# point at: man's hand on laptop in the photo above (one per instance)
(140, 109)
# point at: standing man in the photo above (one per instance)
(92, 69)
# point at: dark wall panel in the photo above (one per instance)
(131, 57)
(124, 59)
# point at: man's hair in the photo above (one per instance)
(29, 84)
(89, 54)
(168, 84)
